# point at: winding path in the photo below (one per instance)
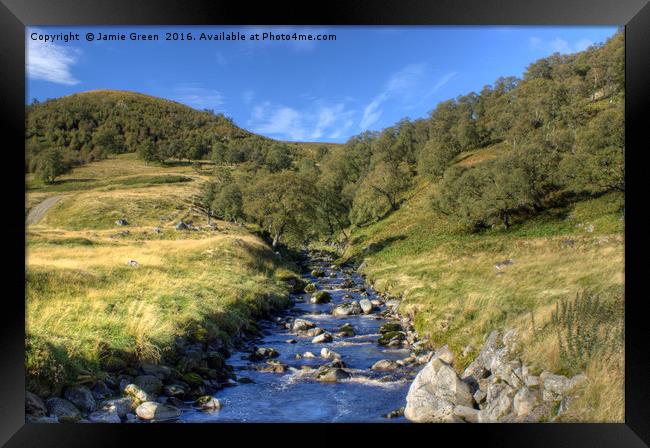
(38, 211)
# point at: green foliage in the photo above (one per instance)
(587, 326)
(49, 165)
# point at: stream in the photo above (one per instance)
(295, 395)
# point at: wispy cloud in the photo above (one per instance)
(558, 45)
(51, 62)
(198, 96)
(321, 121)
(247, 96)
(400, 83)
(441, 82)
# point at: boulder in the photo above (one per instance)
(322, 338)
(157, 412)
(310, 288)
(435, 392)
(347, 309)
(81, 397)
(149, 383)
(366, 306)
(34, 406)
(314, 331)
(445, 354)
(390, 327)
(480, 366)
(467, 413)
(385, 364)
(499, 403)
(302, 324)
(331, 374)
(121, 222)
(321, 297)
(308, 355)
(132, 263)
(62, 409)
(182, 226)
(101, 391)
(524, 401)
(556, 384)
(347, 283)
(392, 338)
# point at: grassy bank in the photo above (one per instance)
(87, 309)
(450, 285)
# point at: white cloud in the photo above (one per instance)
(198, 97)
(281, 121)
(558, 45)
(51, 62)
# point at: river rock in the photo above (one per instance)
(174, 390)
(385, 364)
(34, 405)
(479, 368)
(366, 306)
(302, 325)
(331, 375)
(310, 288)
(264, 353)
(308, 355)
(207, 403)
(101, 391)
(62, 409)
(104, 417)
(326, 353)
(157, 370)
(322, 338)
(121, 406)
(395, 413)
(347, 283)
(318, 273)
(345, 330)
(137, 394)
(435, 392)
(347, 309)
(149, 383)
(314, 332)
(321, 297)
(157, 412)
(81, 397)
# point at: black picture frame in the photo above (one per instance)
(16, 14)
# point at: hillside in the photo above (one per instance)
(459, 286)
(88, 310)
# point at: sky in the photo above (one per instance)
(320, 90)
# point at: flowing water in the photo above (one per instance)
(295, 396)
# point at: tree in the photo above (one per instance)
(284, 204)
(228, 203)
(278, 157)
(379, 191)
(49, 165)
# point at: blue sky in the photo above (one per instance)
(368, 78)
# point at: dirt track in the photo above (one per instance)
(38, 211)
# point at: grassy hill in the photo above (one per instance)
(86, 309)
(450, 284)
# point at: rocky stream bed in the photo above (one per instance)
(340, 353)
